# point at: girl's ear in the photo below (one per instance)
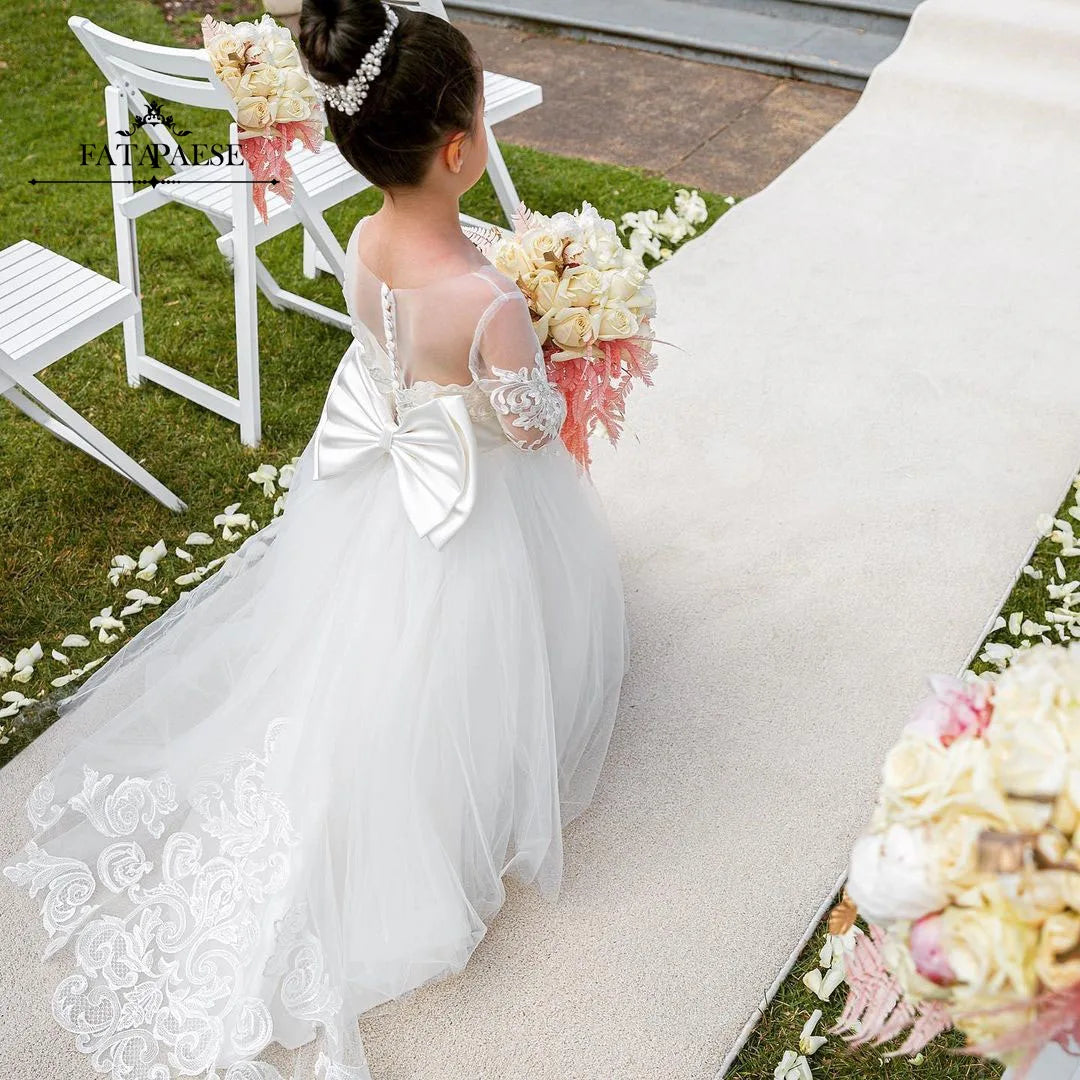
(454, 152)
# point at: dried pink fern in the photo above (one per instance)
(876, 1010)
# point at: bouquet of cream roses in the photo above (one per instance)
(969, 873)
(591, 304)
(258, 63)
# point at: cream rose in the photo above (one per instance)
(914, 768)
(543, 246)
(571, 327)
(614, 322)
(990, 951)
(226, 51)
(283, 54)
(512, 260)
(1030, 757)
(289, 107)
(580, 286)
(542, 287)
(259, 80)
(253, 113)
(230, 77)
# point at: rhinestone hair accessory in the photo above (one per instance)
(348, 97)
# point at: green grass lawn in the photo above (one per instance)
(63, 516)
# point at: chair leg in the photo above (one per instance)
(500, 177)
(311, 267)
(127, 249)
(246, 302)
(65, 423)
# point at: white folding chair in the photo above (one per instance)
(504, 97)
(222, 192)
(135, 69)
(50, 306)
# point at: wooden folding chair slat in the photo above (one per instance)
(22, 252)
(25, 292)
(31, 331)
(72, 306)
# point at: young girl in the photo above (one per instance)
(295, 795)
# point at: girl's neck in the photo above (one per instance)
(422, 212)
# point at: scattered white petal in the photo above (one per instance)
(1015, 620)
(27, 658)
(188, 579)
(184, 555)
(57, 655)
(1060, 567)
(6, 666)
(74, 641)
(809, 1043)
(196, 539)
(1033, 573)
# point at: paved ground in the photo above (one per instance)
(718, 128)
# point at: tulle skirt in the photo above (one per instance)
(301, 786)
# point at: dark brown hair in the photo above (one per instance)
(428, 89)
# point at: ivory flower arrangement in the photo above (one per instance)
(591, 304)
(969, 873)
(259, 64)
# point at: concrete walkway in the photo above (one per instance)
(717, 128)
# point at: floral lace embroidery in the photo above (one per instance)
(163, 987)
(529, 397)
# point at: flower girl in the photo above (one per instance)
(296, 794)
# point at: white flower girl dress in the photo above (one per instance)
(295, 794)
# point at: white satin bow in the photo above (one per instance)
(433, 448)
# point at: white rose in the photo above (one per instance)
(259, 80)
(571, 327)
(283, 54)
(225, 51)
(542, 287)
(914, 767)
(512, 260)
(580, 286)
(230, 77)
(1031, 756)
(614, 321)
(543, 246)
(893, 876)
(290, 107)
(253, 113)
(990, 951)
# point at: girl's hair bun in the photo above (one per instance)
(333, 32)
(429, 86)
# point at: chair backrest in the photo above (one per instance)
(137, 68)
(432, 7)
(182, 75)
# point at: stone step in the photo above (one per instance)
(832, 42)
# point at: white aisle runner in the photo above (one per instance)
(830, 495)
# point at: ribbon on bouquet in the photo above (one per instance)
(433, 448)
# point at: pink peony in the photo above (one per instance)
(928, 951)
(955, 708)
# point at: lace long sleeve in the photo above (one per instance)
(508, 365)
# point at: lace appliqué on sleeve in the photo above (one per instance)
(530, 399)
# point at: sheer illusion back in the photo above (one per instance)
(469, 334)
